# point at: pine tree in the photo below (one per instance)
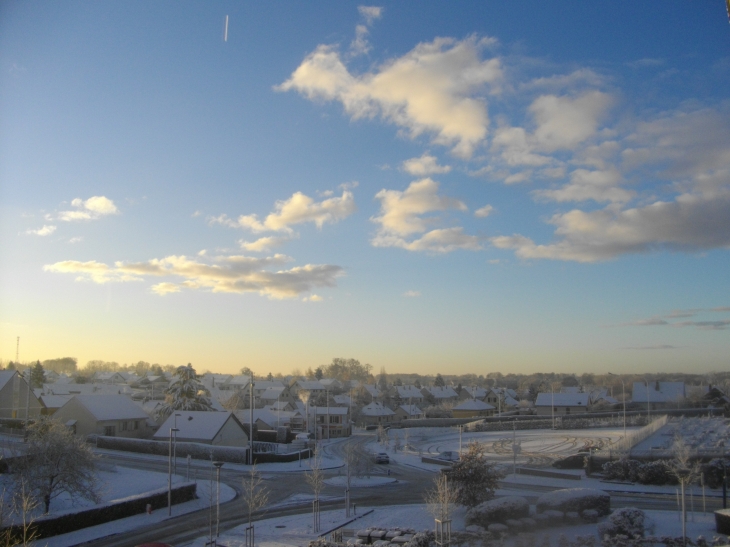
(474, 478)
(185, 393)
(439, 381)
(37, 375)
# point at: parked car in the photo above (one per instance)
(382, 457)
(574, 461)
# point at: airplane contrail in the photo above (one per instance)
(225, 32)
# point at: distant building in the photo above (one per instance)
(214, 428)
(441, 393)
(659, 393)
(561, 403)
(472, 408)
(15, 397)
(107, 415)
(332, 422)
(376, 414)
(408, 412)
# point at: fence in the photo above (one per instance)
(635, 437)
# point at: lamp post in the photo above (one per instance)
(174, 443)
(552, 403)
(648, 406)
(623, 394)
(169, 474)
(683, 475)
(218, 466)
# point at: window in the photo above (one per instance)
(110, 431)
(124, 426)
(136, 425)
(334, 419)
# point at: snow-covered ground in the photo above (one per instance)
(297, 531)
(708, 434)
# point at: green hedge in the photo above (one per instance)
(62, 524)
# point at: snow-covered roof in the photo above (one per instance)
(330, 382)
(310, 385)
(241, 380)
(442, 392)
(195, 424)
(332, 410)
(476, 392)
(5, 376)
(659, 392)
(411, 410)
(562, 399)
(54, 401)
(111, 407)
(263, 385)
(342, 399)
(271, 393)
(474, 404)
(372, 390)
(376, 409)
(409, 392)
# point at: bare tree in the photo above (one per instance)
(56, 462)
(254, 494)
(315, 475)
(441, 498)
(685, 471)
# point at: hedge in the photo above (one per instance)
(196, 451)
(100, 514)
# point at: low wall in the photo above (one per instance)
(547, 473)
(198, 451)
(134, 505)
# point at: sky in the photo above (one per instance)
(466, 187)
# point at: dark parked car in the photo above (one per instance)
(574, 461)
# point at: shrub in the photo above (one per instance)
(656, 472)
(498, 510)
(627, 521)
(575, 499)
(714, 472)
(622, 470)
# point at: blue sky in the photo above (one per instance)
(429, 187)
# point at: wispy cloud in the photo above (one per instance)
(263, 244)
(484, 212)
(412, 294)
(665, 320)
(223, 274)
(298, 209)
(424, 166)
(658, 347)
(91, 209)
(46, 230)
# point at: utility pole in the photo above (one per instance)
(250, 441)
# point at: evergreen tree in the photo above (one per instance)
(439, 381)
(37, 375)
(474, 477)
(11, 366)
(185, 393)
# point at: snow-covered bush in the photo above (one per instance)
(627, 521)
(575, 499)
(714, 472)
(421, 539)
(656, 472)
(498, 510)
(622, 470)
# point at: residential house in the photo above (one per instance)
(561, 403)
(441, 394)
(472, 408)
(473, 392)
(502, 399)
(109, 415)
(332, 422)
(376, 414)
(16, 399)
(659, 394)
(214, 428)
(408, 412)
(410, 394)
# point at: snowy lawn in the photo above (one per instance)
(296, 531)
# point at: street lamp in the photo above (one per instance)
(623, 394)
(552, 403)
(648, 406)
(218, 466)
(174, 443)
(169, 473)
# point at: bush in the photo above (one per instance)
(656, 472)
(627, 521)
(575, 499)
(474, 477)
(714, 472)
(622, 470)
(498, 510)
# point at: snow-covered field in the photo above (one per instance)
(705, 435)
(539, 447)
(296, 531)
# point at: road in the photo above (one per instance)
(410, 487)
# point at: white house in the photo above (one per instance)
(214, 428)
(561, 403)
(659, 392)
(108, 415)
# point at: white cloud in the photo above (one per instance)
(586, 185)
(689, 223)
(93, 208)
(444, 240)
(412, 294)
(46, 230)
(429, 90)
(76, 239)
(360, 45)
(313, 298)
(484, 211)
(564, 122)
(401, 211)
(370, 13)
(298, 209)
(263, 244)
(424, 166)
(227, 274)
